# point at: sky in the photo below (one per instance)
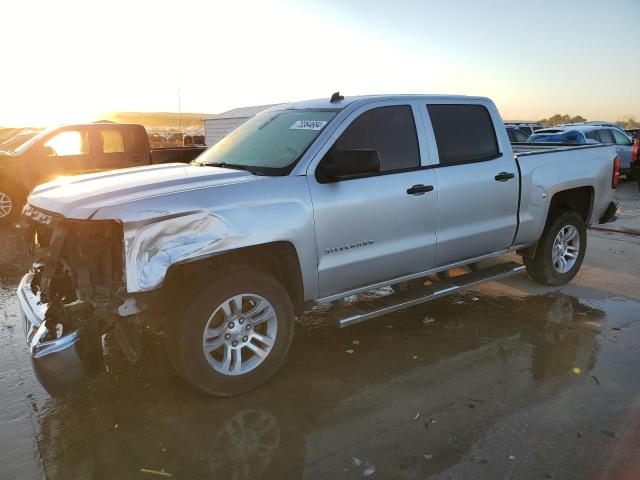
(67, 61)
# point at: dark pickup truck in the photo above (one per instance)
(73, 150)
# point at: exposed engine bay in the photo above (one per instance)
(78, 280)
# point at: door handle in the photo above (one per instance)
(419, 189)
(504, 176)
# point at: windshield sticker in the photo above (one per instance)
(308, 125)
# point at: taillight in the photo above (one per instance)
(634, 153)
(616, 172)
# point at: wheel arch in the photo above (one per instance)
(577, 199)
(279, 259)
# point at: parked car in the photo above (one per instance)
(527, 128)
(516, 135)
(72, 150)
(304, 204)
(584, 134)
(596, 123)
(559, 135)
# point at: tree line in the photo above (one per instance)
(627, 121)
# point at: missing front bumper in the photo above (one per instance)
(60, 364)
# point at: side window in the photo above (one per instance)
(389, 130)
(112, 141)
(592, 135)
(620, 138)
(521, 137)
(475, 142)
(605, 136)
(68, 143)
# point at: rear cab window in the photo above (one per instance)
(475, 143)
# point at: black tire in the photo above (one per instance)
(16, 198)
(541, 268)
(184, 333)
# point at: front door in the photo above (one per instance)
(66, 152)
(375, 228)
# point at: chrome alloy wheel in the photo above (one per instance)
(5, 204)
(566, 247)
(240, 334)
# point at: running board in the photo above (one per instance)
(368, 309)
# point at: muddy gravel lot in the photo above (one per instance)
(512, 380)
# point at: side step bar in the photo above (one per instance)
(366, 310)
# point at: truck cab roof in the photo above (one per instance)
(327, 104)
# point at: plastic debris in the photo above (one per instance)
(576, 370)
(367, 472)
(474, 299)
(511, 457)
(356, 342)
(417, 416)
(479, 460)
(428, 320)
(428, 456)
(355, 462)
(349, 350)
(161, 473)
(415, 357)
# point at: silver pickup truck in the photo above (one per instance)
(306, 203)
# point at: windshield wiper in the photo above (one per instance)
(233, 166)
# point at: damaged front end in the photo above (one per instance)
(71, 296)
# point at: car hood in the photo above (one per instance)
(80, 196)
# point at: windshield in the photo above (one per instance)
(11, 144)
(270, 143)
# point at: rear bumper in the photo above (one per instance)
(609, 214)
(57, 363)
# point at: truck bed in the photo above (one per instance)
(546, 169)
(521, 149)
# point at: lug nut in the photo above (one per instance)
(231, 325)
(241, 320)
(227, 336)
(245, 338)
(248, 327)
(234, 343)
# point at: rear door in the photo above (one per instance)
(374, 228)
(477, 182)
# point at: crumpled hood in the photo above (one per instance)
(81, 196)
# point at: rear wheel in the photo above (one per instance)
(560, 250)
(234, 336)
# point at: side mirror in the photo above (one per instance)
(47, 151)
(349, 163)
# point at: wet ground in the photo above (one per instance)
(512, 381)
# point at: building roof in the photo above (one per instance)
(243, 112)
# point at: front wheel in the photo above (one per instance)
(10, 204)
(560, 250)
(234, 336)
